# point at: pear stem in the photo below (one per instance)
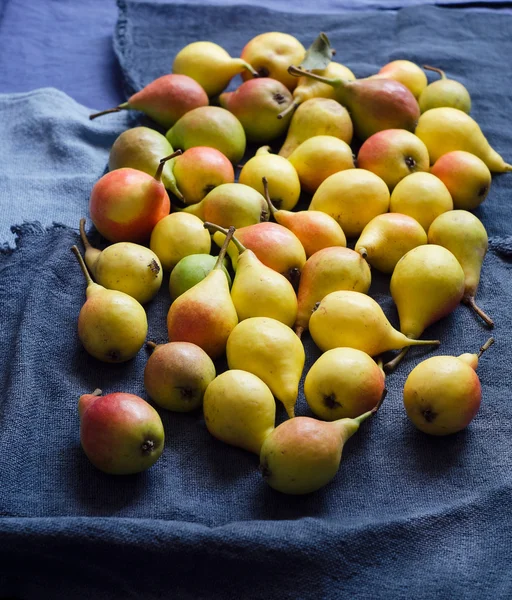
(213, 227)
(272, 209)
(161, 165)
(429, 68)
(299, 330)
(296, 72)
(251, 70)
(87, 276)
(97, 392)
(151, 345)
(392, 364)
(487, 345)
(119, 108)
(83, 235)
(363, 252)
(288, 109)
(224, 247)
(470, 301)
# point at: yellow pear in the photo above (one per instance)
(444, 130)
(319, 157)
(406, 72)
(112, 325)
(444, 92)
(283, 180)
(427, 284)
(231, 204)
(387, 238)
(310, 88)
(272, 352)
(329, 270)
(343, 383)
(465, 237)
(210, 65)
(318, 116)
(352, 197)
(239, 409)
(442, 394)
(127, 267)
(421, 196)
(258, 290)
(178, 235)
(354, 320)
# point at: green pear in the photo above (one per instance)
(191, 270)
(210, 126)
(142, 148)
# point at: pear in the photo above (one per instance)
(387, 238)
(112, 326)
(406, 72)
(283, 180)
(427, 284)
(318, 116)
(354, 320)
(271, 54)
(353, 198)
(315, 229)
(191, 270)
(466, 177)
(126, 267)
(374, 104)
(329, 270)
(199, 170)
(393, 154)
(142, 148)
(239, 409)
(271, 351)
(257, 290)
(275, 246)
(210, 65)
(343, 384)
(309, 88)
(256, 104)
(442, 394)
(176, 236)
(120, 433)
(209, 126)
(126, 204)
(177, 375)
(303, 454)
(319, 157)
(444, 130)
(165, 99)
(466, 238)
(444, 92)
(421, 196)
(205, 314)
(231, 204)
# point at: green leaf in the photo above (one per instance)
(319, 54)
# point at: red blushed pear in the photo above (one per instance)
(120, 433)
(256, 104)
(275, 246)
(126, 204)
(374, 104)
(314, 229)
(205, 314)
(199, 170)
(442, 394)
(165, 99)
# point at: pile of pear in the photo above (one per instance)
(249, 273)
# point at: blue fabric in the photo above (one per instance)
(407, 516)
